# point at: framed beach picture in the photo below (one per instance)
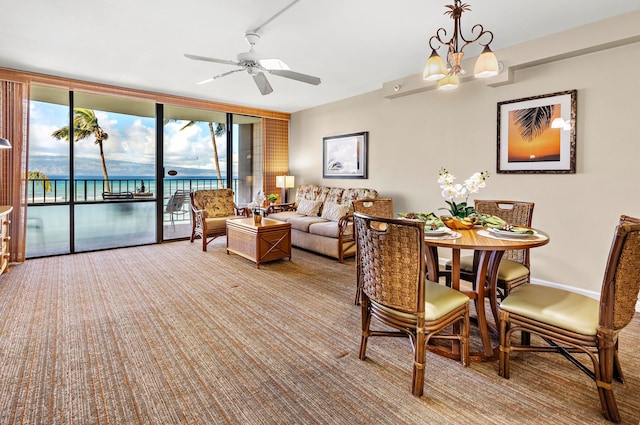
(345, 157)
(538, 134)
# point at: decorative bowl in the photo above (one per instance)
(455, 223)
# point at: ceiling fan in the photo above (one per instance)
(256, 65)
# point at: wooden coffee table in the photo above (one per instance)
(267, 241)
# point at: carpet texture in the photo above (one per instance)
(168, 334)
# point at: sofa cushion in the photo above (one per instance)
(334, 195)
(329, 229)
(283, 216)
(309, 207)
(332, 211)
(302, 222)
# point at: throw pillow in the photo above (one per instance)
(308, 207)
(332, 211)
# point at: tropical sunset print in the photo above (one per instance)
(532, 140)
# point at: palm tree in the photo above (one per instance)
(532, 122)
(42, 179)
(216, 129)
(85, 124)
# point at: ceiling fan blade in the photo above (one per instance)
(206, 59)
(309, 79)
(262, 83)
(224, 74)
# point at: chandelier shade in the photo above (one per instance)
(437, 69)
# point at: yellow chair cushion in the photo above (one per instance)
(557, 307)
(439, 301)
(509, 269)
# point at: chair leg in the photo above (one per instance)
(505, 346)
(604, 375)
(366, 322)
(419, 356)
(617, 369)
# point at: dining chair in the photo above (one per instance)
(378, 207)
(571, 323)
(391, 259)
(515, 265)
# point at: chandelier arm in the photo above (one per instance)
(438, 36)
(477, 38)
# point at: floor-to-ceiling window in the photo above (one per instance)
(91, 172)
(98, 185)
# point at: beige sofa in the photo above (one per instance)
(321, 218)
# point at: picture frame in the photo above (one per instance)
(345, 156)
(537, 135)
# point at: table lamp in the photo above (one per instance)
(285, 182)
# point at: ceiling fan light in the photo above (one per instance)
(435, 68)
(487, 64)
(449, 82)
(273, 64)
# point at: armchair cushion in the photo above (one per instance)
(216, 203)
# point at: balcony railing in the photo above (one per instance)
(90, 190)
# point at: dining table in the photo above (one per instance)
(489, 245)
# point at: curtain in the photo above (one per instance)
(14, 126)
(275, 152)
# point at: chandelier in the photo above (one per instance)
(447, 74)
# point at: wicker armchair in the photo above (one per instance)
(210, 210)
(514, 267)
(391, 258)
(377, 207)
(572, 323)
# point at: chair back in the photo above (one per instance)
(391, 261)
(518, 213)
(178, 201)
(622, 276)
(377, 207)
(216, 202)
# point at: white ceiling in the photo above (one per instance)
(354, 46)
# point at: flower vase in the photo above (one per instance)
(257, 219)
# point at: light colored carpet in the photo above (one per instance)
(168, 334)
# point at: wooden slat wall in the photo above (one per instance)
(275, 153)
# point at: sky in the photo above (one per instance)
(131, 143)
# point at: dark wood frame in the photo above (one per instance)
(567, 162)
(360, 158)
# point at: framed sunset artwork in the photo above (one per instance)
(538, 134)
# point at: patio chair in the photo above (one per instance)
(178, 206)
(572, 323)
(391, 263)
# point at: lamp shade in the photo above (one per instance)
(487, 64)
(449, 82)
(4, 144)
(435, 68)
(285, 181)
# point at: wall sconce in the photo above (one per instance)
(285, 182)
(4, 144)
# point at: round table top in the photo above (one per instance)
(478, 238)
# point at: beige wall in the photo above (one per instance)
(411, 137)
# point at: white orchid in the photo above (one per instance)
(452, 191)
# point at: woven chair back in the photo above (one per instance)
(622, 277)
(391, 261)
(377, 207)
(518, 213)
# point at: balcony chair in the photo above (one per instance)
(391, 263)
(178, 206)
(377, 207)
(210, 210)
(514, 267)
(571, 323)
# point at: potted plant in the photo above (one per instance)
(272, 197)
